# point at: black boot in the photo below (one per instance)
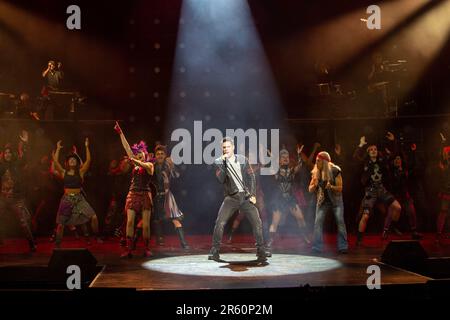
(52, 237)
(359, 237)
(58, 236)
(58, 240)
(183, 242)
(32, 245)
(385, 234)
(416, 235)
(29, 236)
(271, 239)
(214, 254)
(158, 233)
(262, 254)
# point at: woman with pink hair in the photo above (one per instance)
(139, 198)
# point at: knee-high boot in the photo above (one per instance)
(183, 242)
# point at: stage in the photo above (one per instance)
(172, 268)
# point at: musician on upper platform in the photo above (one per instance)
(53, 76)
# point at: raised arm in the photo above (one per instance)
(393, 146)
(146, 165)
(359, 153)
(22, 147)
(44, 73)
(58, 169)
(310, 159)
(84, 168)
(124, 141)
(299, 164)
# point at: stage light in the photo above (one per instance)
(340, 41)
(242, 265)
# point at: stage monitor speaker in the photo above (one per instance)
(62, 258)
(405, 254)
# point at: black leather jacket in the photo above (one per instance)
(224, 176)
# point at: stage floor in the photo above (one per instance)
(173, 268)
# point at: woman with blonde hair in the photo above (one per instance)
(326, 182)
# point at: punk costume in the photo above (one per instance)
(139, 199)
(12, 196)
(73, 209)
(328, 199)
(139, 196)
(400, 189)
(165, 206)
(374, 178)
(239, 184)
(284, 199)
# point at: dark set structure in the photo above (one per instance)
(187, 151)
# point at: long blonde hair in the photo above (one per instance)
(325, 173)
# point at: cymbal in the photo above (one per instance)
(63, 92)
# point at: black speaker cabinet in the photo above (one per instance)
(62, 258)
(405, 254)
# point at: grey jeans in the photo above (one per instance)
(229, 206)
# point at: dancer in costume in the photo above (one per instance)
(165, 206)
(326, 182)
(284, 201)
(73, 209)
(139, 198)
(374, 177)
(12, 186)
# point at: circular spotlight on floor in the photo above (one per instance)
(242, 265)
